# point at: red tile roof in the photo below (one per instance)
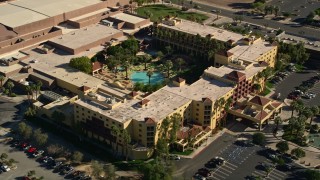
(259, 100)
(96, 65)
(84, 88)
(133, 94)
(263, 63)
(144, 101)
(276, 104)
(236, 75)
(179, 80)
(206, 99)
(149, 120)
(261, 115)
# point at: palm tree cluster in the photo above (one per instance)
(272, 10)
(125, 138)
(196, 44)
(168, 133)
(33, 88)
(298, 124)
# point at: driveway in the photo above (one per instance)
(24, 165)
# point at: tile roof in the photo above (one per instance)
(149, 120)
(259, 100)
(236, 75)
(144, 101)
(84, 88)
(96, 65)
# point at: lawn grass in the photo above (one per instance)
(185, 153)
(162, 11)
(269, 85)
(265, 92)
(299, 67)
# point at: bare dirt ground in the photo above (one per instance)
(228, 4)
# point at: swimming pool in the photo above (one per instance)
(141, 76)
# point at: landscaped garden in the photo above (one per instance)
(157, 12)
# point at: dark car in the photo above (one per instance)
(204, 172)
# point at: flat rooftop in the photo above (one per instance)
(223, 71)
(251, 52)
(86, 35)
(161, 103)
(20, 12)
(204, 30)
(203, 88)
(128, 18)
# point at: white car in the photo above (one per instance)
(5, 168)
(214, 11)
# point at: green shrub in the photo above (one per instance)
(13, 95)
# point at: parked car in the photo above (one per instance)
(48, 160)
(55, 164)
(174, 157)
(37, 153)
(204, 172)
(27, 147)
(198, 177)
(5, 168)
(32, 150)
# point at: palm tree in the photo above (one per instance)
(33, 88)
(218, 12)
(226, 109)
(2, 78)
(294, 105)
(149, 74)
(126, 66)
(126, 140)
(115, 131)
(10, 85)
(168, 65)
(146, 59)
(315, 111)
(180, 62)
(278, 121)
(29, 90)
(38, 88)
(256, 87)
(276, 10)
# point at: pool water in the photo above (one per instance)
(141, 76)
(314, 139)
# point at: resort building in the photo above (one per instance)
(204, 40)
(200, 105)
(248, 50)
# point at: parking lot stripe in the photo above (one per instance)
(229, 167)
(223, 169)
(220, 171)
(214, 177)
(232, 165)
(219, 176)
(279, 172)
(259, 173)
(274, 177)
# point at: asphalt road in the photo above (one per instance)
(310, 33)
(9, 110)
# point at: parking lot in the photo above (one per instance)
(240, 161)
(24, 165)
(293, 80)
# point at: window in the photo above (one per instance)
(197, 114)
(140, 125)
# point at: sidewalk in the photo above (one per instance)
(210, 140)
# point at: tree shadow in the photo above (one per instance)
(240, 5)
